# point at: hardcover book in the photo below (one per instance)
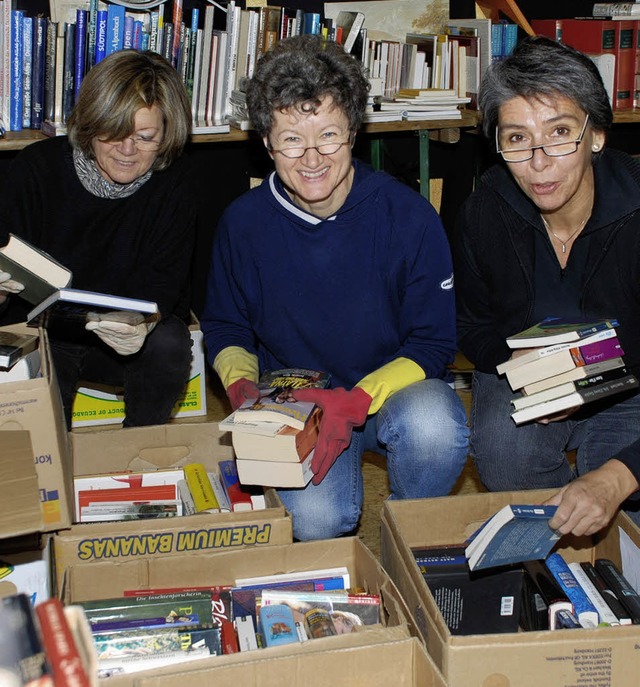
(542, 598)
(619, 585)
(82, 306)
(40, 274)
(621, 613)
(514, 534)
(275, 403)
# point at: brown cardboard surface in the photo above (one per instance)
(162, 446)
(376, 658)
(19, 503)
(34, 406)
(606, 657)
(104, 580)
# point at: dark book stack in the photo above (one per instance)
(566, 364)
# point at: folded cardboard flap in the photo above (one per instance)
(19, 496)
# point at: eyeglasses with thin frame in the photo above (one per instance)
(550, 149)
(295, 152)
(139, 142)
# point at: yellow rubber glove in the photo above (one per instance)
(386, 380)
(234, 363)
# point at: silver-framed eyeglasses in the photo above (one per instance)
(295, 152)
(550, 149)
(140, 142)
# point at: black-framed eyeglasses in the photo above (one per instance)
(324, 149)
(551, 149)
(139, 142)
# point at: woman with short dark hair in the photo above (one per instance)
(554, 230)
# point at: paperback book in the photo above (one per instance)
(584, 610)
(276, 403)
(14, 346)
(514, 534)
(554, 330)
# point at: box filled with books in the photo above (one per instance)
(30, 401)
(498, 647)
(237, 582)
(154, 455)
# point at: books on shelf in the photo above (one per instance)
(514, 534)
(40, 274)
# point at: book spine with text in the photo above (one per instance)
(605, 614)
(60, 646)
(620, 586)
(68, 70)
(27, 70)
(101, 36)
(15, 112)
(80, 55)
(115, 28)
(92, 25)
(583, 608)
(607, 593)
(38, 71)
(204, 497)
(240, 500)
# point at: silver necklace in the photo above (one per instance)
(553, 233)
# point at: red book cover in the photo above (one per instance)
(60, 647)
(134, 494)
(551, 28)
(600, 36)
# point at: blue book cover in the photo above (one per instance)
(137, 35)
(516, 533)
(584, 610)
(115, 28)
(15, 92)
(37, 71)
(80, 50)
(101, 36)
(27, 67)
(278, 625)
(127, 38)
(311, 22)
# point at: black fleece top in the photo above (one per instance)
(494, 256)
(140, 246)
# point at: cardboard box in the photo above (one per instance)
(104, 580)
(34, 406)
(162, 446)
(376, 658)
(97, 404)
(564, 658)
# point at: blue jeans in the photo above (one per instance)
(532, 456)
(422, 432)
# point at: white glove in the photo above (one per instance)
(124, 338)
(8, 285)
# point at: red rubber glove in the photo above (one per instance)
(342, 410)
(240, 391)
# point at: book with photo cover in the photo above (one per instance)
(82, 306)
(276, 403)
(40, 274)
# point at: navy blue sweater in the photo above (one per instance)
(345, 294)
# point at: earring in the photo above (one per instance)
(596, 148)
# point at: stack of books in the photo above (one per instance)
(274, 435)
(567, 364)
